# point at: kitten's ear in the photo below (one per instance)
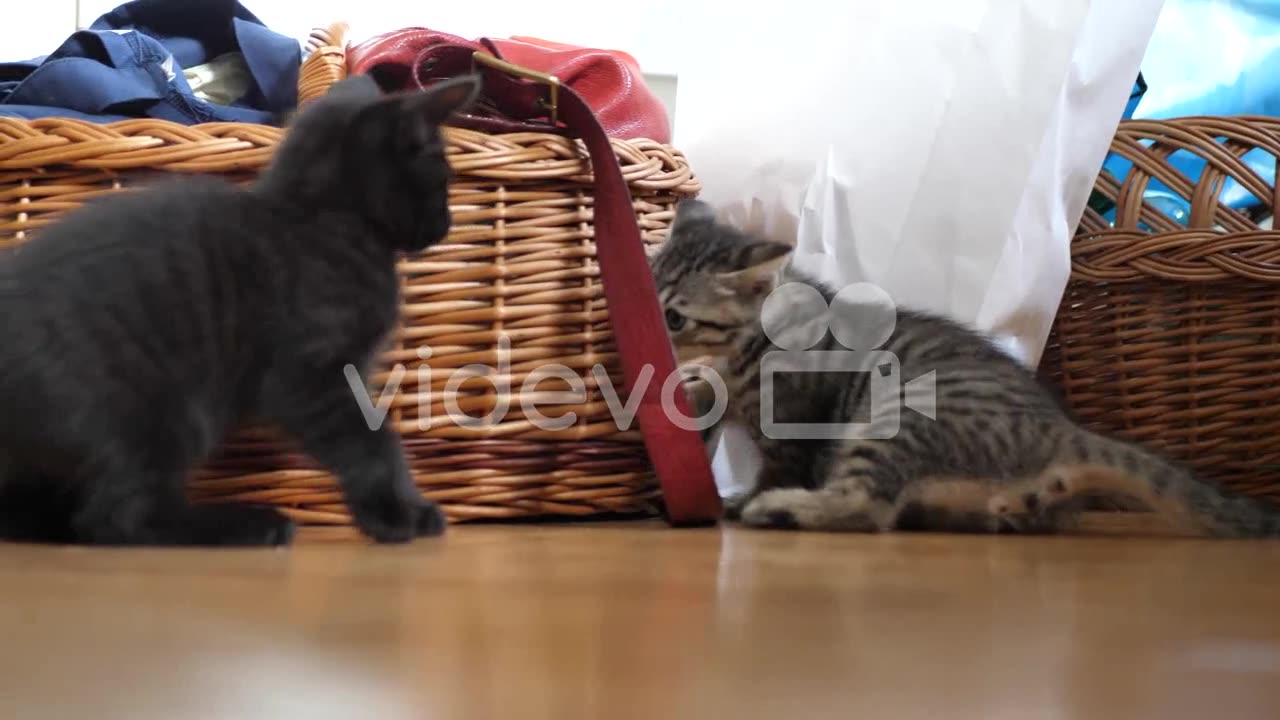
(355, 87)
(763, 256)
(759, 262)
(440, 101)
(412, 117)
(694, 211)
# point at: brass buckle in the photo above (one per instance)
(551, 81)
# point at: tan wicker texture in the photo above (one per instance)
(519, 263)
(1169, 334)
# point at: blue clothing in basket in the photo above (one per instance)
(130, 64)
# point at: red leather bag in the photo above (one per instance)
(517, 98)
(609, 81)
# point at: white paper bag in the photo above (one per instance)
(942, 150)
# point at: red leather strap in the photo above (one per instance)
(678, 455)
(609, 81)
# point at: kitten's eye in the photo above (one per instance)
(675, 320)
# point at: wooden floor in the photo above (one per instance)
(639, 621)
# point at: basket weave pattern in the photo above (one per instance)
(1169, 334)
(519, 263)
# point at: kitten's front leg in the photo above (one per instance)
(702, 400)
(775, 472)
(857, 495)
(841, 507)
(370, 463)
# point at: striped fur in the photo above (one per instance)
(1001, 454)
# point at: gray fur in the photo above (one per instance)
(1001, 455)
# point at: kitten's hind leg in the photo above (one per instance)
(139, 509)
(34, 508)
(122, 483)
(946, 503)
(1048, 502)
(369, 463)
(233, 525)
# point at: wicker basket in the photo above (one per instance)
(519, 262)
(1169, 333)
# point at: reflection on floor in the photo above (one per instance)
(634, 620)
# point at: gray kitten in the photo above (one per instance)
(1000, 453)
(143, 328)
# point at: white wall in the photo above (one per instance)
(42, 27)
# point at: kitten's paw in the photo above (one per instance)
(770, 518)
(1008, 511)
(1053, 487)
(832, 510)
(238, 526)
(772, 509)
(1013, 502)
(386, 518)
(1032, 507)
(1056, 485)
(734, 504)
(783, 509)
(431, 520)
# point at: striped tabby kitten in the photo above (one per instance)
(1001, 455)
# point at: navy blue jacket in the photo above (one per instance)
(129, 64)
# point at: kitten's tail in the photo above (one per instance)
(1105, 467)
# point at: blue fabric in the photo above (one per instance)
(1208, 57)
(1135, 97)
(129, 64)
